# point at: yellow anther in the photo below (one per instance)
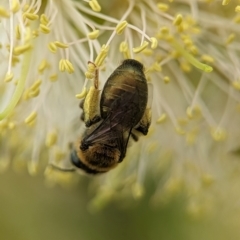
(207, 179)
(66, 65)
(44, 29)
(236, 85)
(60, 44)
(93, 35)
(237, 19)
(147, 52)
(163, 7)
(89, 75)
(33, 93)
(194, 50)
(190, 112)
(225, 2)
(154, 42)
(91, 67)
(30, 16)
(180, 131)
(166, 79)
(69, 66)
(17, 32)
(137, 190)
(26, 94)
(51, 139)
(61, 65)
(230, 38)
(30, 118)
(15, 6)
(207, 58)
(26, 7)
(173, 185)
(188, 42)
(175, 54)
(4, 12)
(102, 55)
(193, 112)
(53, 77)
(121, 26)
(141, 48)
(162, 118)
(237, 9)
(180, 28)
(28, 34)
(36, 85)
(33, 168)
(15, 60)
(21, 49)
(164, 30)
(95, 5)
(42, 66)
(178, 20)
(8, 77)
(82, 94)
(218, 134)
(11, 125)
(156, 67)
(52, 47)
(44, 19)
(123, 48)
(182, 121)
(186, 67)
(35, 33)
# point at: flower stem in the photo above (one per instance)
(190, 58)
(20, 86)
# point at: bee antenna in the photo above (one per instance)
(62, 169)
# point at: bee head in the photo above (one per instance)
(84, 145)
(76, 161)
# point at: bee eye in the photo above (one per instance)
(84, 146)
(74, 158)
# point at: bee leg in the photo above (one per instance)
(82, 116)
(90, 105)
(134, 136)
(92, 121)
(145, 122)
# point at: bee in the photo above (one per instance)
(121, 111)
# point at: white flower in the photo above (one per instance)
(45, 48)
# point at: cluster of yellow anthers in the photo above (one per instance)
(29, 14)
(21, 42)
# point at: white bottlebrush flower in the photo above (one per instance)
(192, 143)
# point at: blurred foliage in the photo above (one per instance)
(30, 210)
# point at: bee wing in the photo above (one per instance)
(112, 127)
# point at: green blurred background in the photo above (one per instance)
(31, 210)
